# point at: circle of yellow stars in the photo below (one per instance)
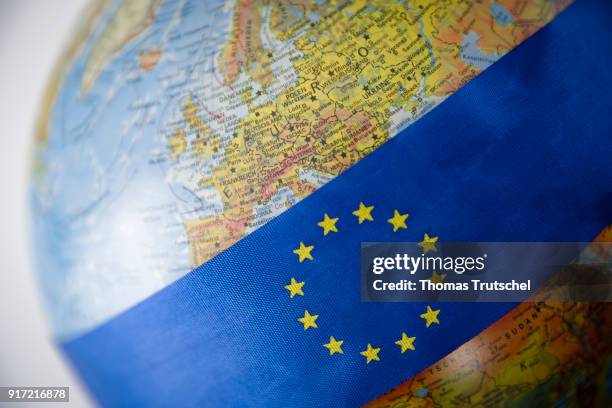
(304, 252)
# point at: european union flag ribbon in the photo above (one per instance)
(521, 153)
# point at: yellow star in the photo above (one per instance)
(437, 278)
(334, 346)
(364, 213)
(371, 353)
(430, 316)
(308, 320)
(428, 244)
(304, 252)
(406, 343)
(295, 288)
(328, 224)
(398, 221)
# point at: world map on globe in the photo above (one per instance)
(172, 129)
(201, 121)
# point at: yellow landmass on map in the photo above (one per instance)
(91, 15)
(360, 66)
(131, 18)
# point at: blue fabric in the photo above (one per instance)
(521, 153)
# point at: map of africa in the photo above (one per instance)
(174, 128)
(544, 354)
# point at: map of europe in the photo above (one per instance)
(172, 129)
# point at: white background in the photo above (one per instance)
(32, 36)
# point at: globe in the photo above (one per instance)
(173, 129)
